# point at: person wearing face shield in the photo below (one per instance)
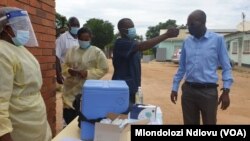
(82, 62)
(200, 55)
(22, 110)
(126, 54)
(63, 43)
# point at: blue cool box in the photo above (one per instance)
(99, 98)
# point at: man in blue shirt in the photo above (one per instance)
(126, 55)
(200, 56)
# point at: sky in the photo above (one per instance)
(221, 14)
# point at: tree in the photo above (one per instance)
(61, 24)
(154, 31)
(61, 21)
(103, 32)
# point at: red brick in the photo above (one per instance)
(44, 89)
(39, 28)
(3, 2)
(49, 2)
(51, 87)
(51, 17)
(41, 13)
(48, 82)
(49, 73)
(35, 19)
(48, 23)
(52, 90)
(52, 32)
(45, 37)
(48, 95)
(24, 1)
(46, 59)
(48, 52)
(47, 66)
(35, 3)
(14, 3)
(43, 29)
(44, 67)
(31, 10)
(44, 44)
(51, 65)
(48, 37)
(42, 21)
(48, 8)
(35, 51)
(50, 102)
(51, 112)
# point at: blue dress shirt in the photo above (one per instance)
(200, 58)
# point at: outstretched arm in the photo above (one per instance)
(172, 32)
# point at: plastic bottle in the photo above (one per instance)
(139, 96)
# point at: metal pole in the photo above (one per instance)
(243, 21)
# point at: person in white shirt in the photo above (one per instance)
(63, 43)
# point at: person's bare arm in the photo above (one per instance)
(6, 137)
(59, 76)
(172, 32)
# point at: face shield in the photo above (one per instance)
(19, 21)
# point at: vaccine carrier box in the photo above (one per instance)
(100, 97)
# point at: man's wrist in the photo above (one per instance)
(225, 90)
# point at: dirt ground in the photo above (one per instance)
(156, 85)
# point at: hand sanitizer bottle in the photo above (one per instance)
(139, 96)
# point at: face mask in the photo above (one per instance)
(192, 30)
(74, 30)
(195, 28)
(21, 38)
(131, 33)
(84, 44)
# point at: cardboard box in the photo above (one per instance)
(141, 111)
(110, 132)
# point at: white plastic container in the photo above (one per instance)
(139, 96)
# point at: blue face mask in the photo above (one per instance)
(74, 30)
(21, 38)
(131, 33)
(84, 44)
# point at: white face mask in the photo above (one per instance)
(131, 33)
(74, 30)
(21, 38)
(84, 44)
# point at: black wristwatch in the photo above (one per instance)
(225, 90)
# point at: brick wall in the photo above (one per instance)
(42, 14)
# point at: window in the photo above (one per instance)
(235, 48)
(176, 47)
(246, 48)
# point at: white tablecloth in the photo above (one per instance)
(70, 133)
